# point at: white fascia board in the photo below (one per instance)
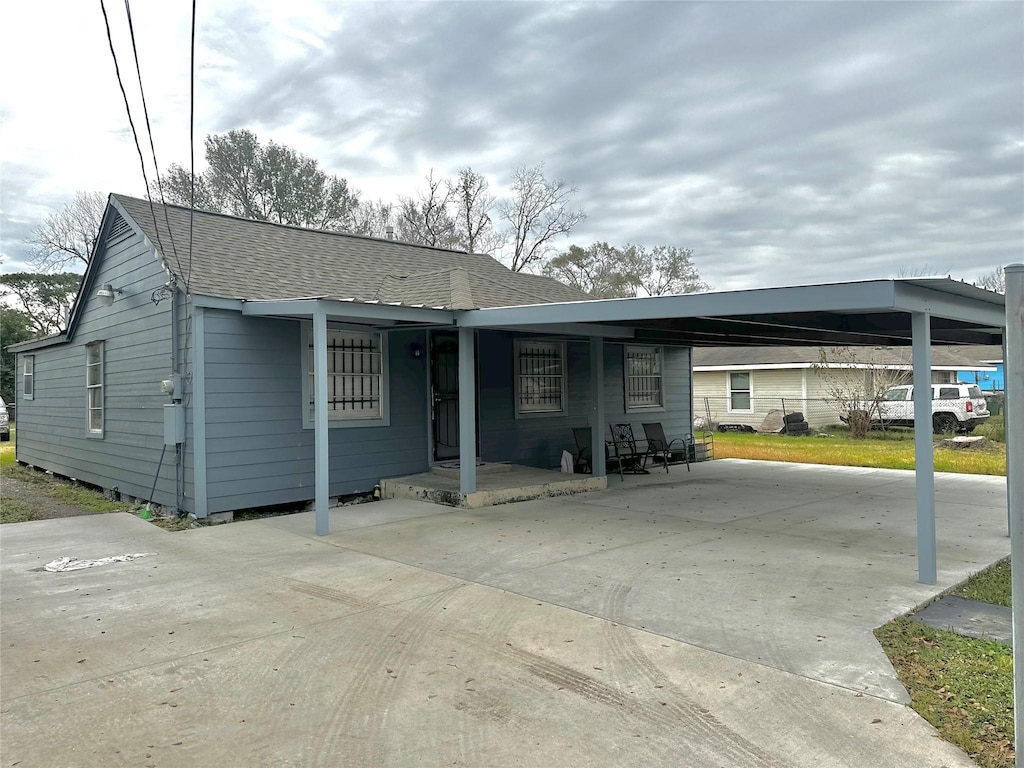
(875, 295)
(349, 311)
(951, 306)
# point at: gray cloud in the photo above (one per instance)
(781, 142)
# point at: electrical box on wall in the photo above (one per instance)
(174, 423)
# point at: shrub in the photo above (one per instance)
(994, 428)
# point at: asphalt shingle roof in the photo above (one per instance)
(257, 260)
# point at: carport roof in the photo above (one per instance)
(872, 312)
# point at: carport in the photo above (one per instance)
(915, 312)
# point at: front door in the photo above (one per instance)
(444, 388)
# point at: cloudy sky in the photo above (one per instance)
(781, 142)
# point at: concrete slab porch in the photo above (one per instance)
(496, 484)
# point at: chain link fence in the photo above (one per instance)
(798, 415)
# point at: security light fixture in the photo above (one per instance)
(105, 295)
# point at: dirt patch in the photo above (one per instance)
(27, 494)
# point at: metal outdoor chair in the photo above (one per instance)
(628, 456)
(582, 458)
(667, 451)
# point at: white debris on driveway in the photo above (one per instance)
(62, 564)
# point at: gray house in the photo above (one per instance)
(188, 372)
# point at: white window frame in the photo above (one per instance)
(340, 419)
(627, 379)
(729, 391)
(28, 377)
(96, 386)
(533, 412)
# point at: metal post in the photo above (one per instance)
(322, 474)
(467, 411)
(924, 460)
(1013, 412)
(597, 462)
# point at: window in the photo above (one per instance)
(29, 377)
(896, 393)
(643, 378)
(94, 386)
(356, 376)
(740, 392)
(949, 393)
(540, 377)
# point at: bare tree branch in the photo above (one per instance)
(537, 213)
(67, 238)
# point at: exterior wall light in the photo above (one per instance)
(105, 295)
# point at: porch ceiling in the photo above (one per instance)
(872, 313)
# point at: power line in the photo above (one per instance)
(192, 142)
(135, 134)
(149, 131)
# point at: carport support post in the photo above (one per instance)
(597, 463)
(467, 411)
(322, 473)
(1013, 373)
(924, 460)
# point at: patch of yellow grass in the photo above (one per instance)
(844, 451)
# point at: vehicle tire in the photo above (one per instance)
(943, 423)
(799, 428)
(5, 437)
(722, 428)
(793, 418)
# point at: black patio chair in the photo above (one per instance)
(627, 454)
(582, 459)
(667, 451)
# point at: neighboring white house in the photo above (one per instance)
(741, 385)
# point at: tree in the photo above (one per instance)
(597, 270)
(15, 327)
(472, 202)
(425, 219)
(663, 270)
(374, 218)
(856, 382)
(605, 271)
(538, 212)
(46, 299)
(268, 183)
(66, 239)
(993, 281)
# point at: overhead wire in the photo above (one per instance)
(131, 123)
(149, 131)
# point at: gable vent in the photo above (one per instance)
(119, 229)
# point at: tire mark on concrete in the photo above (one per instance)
(699, 723)
(360, 713)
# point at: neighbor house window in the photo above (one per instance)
(94, 386)
(29, 377)
(540, 376)
(740, 392)
(643, 378)
(356, 376)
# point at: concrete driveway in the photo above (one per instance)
(717, 618)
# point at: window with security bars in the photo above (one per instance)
(643, 378)
(355, 376)
(540, 376)
(94, 386)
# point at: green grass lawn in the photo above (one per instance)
(14, 510)
(890, 450)
(962, 686)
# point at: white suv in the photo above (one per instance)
(955, 407)
(5, 426)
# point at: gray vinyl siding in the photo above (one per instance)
(539, 441)
(136, 336)
(257, 451)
